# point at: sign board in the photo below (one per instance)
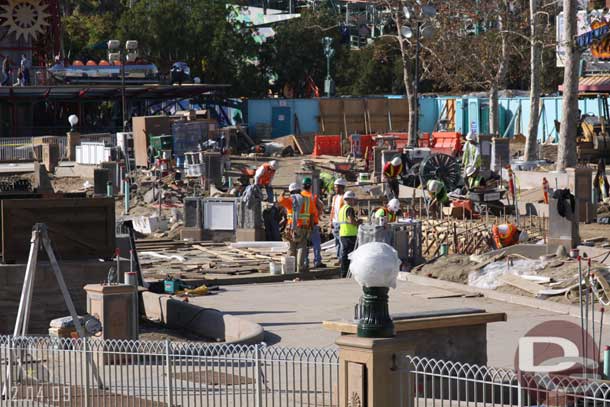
(593, 32)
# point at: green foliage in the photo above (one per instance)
(84, 33)
(296, 52)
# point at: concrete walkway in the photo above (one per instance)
(292, 312)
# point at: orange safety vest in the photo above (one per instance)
(506, 239)
(392, 171)
(304, 219)
(268, 173)
(315, 214)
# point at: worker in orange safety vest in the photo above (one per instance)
(507, 234)
(391, 173)
(316, 238)
(264, 176)
(300, 213)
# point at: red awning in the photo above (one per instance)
(598, 83)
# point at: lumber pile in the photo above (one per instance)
(159, 258)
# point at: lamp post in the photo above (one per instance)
(329, 52)
(116, 54)
(375, 267)
(427, 12)
(73, 120)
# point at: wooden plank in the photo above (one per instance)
(347, 327)
(521, 283)
(78, 227)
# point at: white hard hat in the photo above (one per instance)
(523, 236)
(396, 161)
(470, 170)
(394, 205)
(341, 182)
(293, 187)
(469, 136)
(434, 185)
(273, 164)
(349, 195)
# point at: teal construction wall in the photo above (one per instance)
(471, 112)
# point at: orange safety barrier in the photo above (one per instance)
(424, 140)
(466, 204)
(402, 139)
(327, 145)
(447, 142)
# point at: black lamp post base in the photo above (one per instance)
(375, 321)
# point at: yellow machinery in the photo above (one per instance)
(593, 141)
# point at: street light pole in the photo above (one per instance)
(123, 99)
(416, 82)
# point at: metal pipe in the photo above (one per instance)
(606, 362)
(599, 343)
(582, 321)
(126, 197)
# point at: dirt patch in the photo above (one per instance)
(453, 268)
(151, 331)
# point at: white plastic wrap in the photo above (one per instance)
(375, 264)
(489, 276)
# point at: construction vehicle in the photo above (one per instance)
(593, 141)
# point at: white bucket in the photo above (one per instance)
(288, 265)
(274, 268)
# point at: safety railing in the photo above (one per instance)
(93, 372)
(433, 382)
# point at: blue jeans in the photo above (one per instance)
(336, 227)
(269, 190)
(316, 242)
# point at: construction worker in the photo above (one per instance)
(507, 234)
(438, 194)
(391, 173)
(264, 176)
(389, 212)
(316, 239)
(299, 211)
(348, 230)
(472, 178)
(600, 182)
(471, 152)
(336, 205)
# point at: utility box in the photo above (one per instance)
(563, 230)
(116, 306)
(581, 182)
(500, 153)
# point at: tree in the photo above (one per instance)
(199, 33)
(295, 55)
(535, 68)
(566, 151)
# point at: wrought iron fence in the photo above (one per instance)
(22, 149)
(433, 382)
(91, 372)
(16, 148)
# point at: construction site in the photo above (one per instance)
(190, 248)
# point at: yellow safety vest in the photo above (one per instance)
(346, 229)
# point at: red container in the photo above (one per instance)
(446, 142)
(327, 145)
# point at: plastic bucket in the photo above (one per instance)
(288, 265)
(274, 268)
